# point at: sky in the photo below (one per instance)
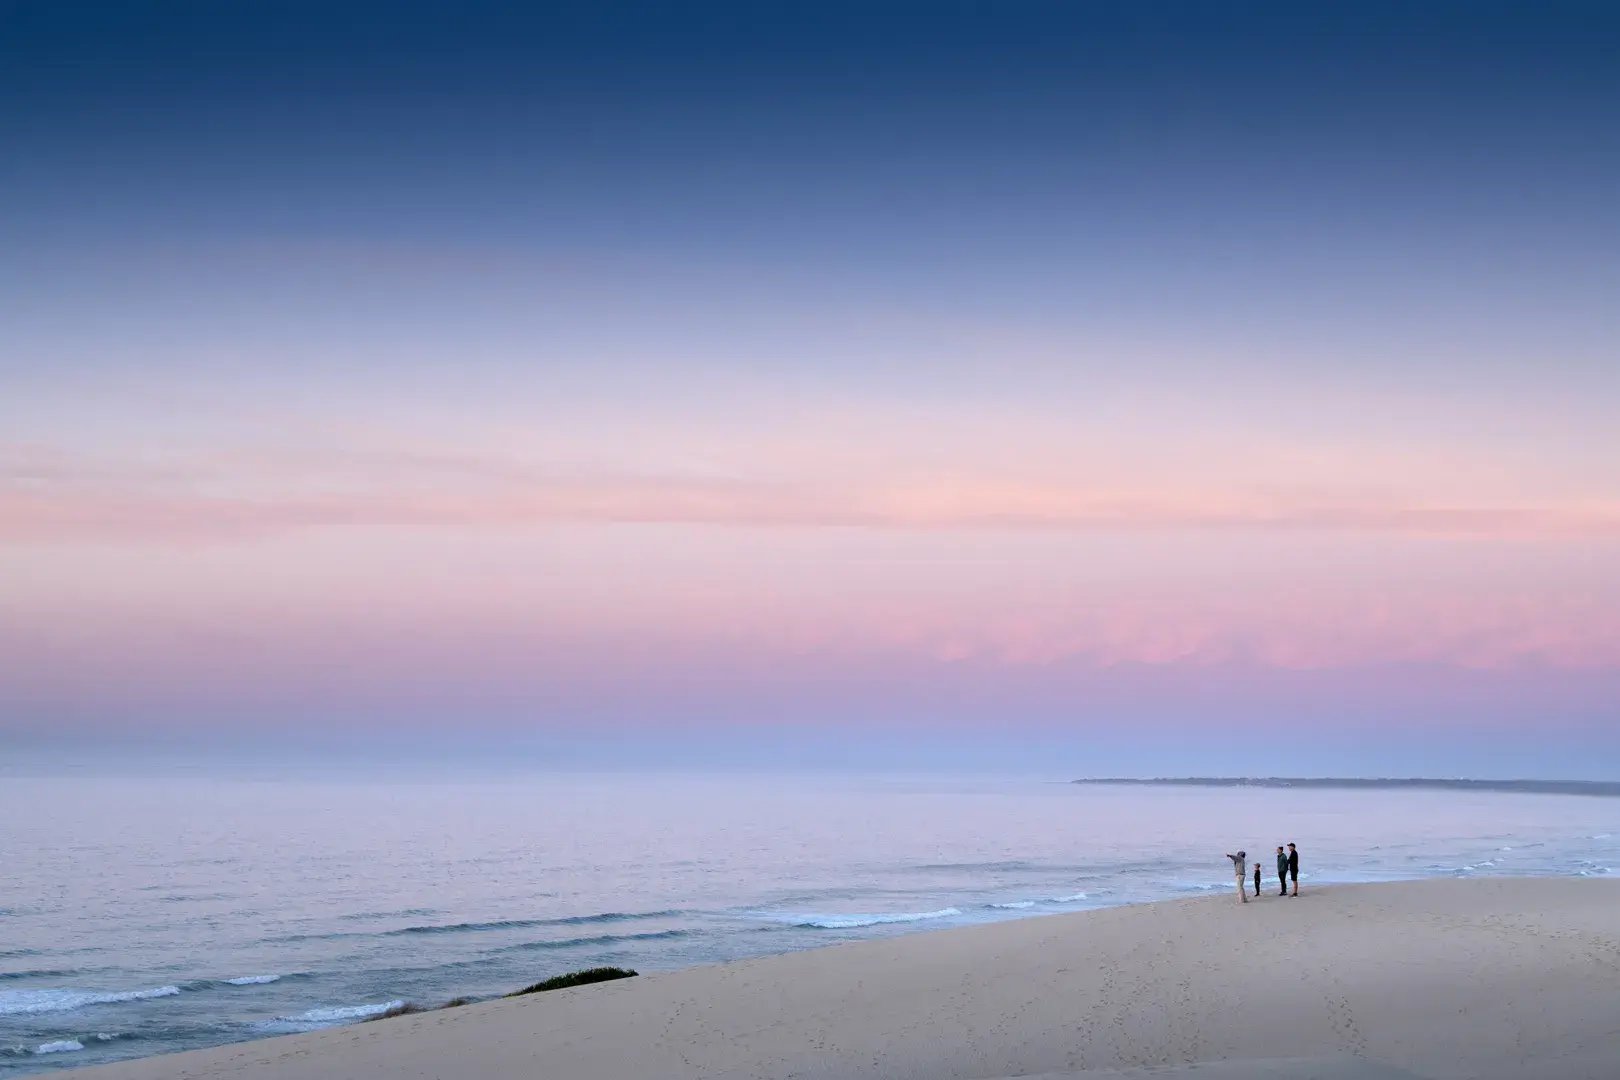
(1130, 389)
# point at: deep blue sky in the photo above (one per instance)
(747, 123)
(1368, 165)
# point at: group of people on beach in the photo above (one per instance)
(1287, 869)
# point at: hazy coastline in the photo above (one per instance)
(1525, 787)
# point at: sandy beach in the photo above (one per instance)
(1442, 979)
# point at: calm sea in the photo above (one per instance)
(144, 916)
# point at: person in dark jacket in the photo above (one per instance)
(1257, 879)
(1282, 871)
(1293, 866)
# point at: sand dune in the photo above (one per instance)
(1443, 979)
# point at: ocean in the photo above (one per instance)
(141, 916)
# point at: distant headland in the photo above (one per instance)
(1523, 787)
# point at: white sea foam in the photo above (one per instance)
(1024, 905)
(60, 1046)
(327, 1017)
(252, 980)
(344, 1012)
(27, 1002)
(850, 922)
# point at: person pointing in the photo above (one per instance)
(1240, 866)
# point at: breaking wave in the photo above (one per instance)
(28, 1002)
(528, 924)
(850, 922)
(600, 939)
(329, 1016)
(477, 927)
(60, 1046)
(1025, 905)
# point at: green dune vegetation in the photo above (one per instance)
(556, 982)
(575, 978)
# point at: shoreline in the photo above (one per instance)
(1484, 977)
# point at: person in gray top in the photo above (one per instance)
(1282, 871)
(1240, 866)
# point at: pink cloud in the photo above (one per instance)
(912, 568)
(1351, 630)
(50, 497)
